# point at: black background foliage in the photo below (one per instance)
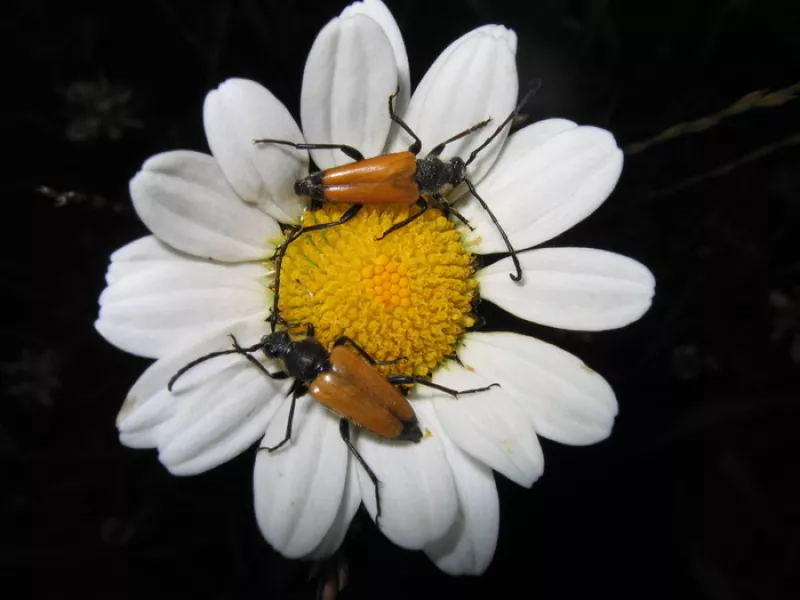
(695, 493)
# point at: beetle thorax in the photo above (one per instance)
(306, 359)
(437, 176)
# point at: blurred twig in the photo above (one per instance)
(756, 99)
(74, 197)
(727, 168)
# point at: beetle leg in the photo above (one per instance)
(297, 390)
(344, 431)
(415, 147)
(332, 574)
(348, 150)
(423, 206)
(281, 250)
(512, 252)
(410, 379)
(437, 150)
(381, 363)
(346, 216)
(246, 352)
(461, 218)
(351, 212)
(275, 317)
(447, 209)
(343, 339)
(298, 231)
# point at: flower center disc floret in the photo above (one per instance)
(409, 294)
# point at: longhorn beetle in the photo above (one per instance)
(399, 177)
(345, 381)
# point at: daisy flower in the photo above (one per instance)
(206, 273)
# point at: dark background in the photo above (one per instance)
(695, 494)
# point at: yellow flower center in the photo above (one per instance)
(409, 294)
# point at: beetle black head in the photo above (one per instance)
(276, 344)
(458, 171)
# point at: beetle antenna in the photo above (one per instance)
(275, 317)
(537, 83)
(237, 349)
(348, 150)
(416, 146)
(437, 150)
(517, 276)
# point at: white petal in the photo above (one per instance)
(378, 11)
(571, 288)
(489, 426)
(473, 79)
(142, 255)
(299, 487)
(184, 199)
(543, 184)
(351, 500)
(231, 417)
(215, 410)
(418, 496)
(155, 311)
(349, 75)
(567, 401)
(235, 114)
(469, 546)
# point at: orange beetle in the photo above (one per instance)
(344, 382)
(400, 177)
